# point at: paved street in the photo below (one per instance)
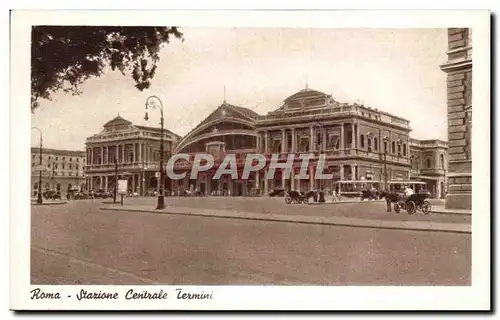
(77, 243)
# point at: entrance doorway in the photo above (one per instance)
(214, 185)
(239, 189)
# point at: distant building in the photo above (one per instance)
(429, 160)
(137, 153)
(459, 82)
(61, 170)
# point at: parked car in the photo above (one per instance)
(52, 194)
(101, 194)
(277, 193)
(81, 195)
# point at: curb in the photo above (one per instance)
(344, 202)
(452, 212)
(49, 203)
(363, 223)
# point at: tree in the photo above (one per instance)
(63, 57)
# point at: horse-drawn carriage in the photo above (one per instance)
(413, 203)
(295, 196)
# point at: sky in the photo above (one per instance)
(394, 70)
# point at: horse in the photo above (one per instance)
(390, 197)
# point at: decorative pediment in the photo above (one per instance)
(306, 94)
(233, 114)
(118, 121)
(229, 111)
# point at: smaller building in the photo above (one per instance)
(429, 160)
(62, 170)
(126, 151)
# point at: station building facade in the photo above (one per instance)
(136, 150)
(358, 142)
(61, 170)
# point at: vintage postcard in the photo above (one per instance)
(250, 160)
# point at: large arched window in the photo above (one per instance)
(441, 161)
(375, 144)
(393, 147)
(362, 141)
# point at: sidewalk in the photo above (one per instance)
(442, 210)
(345, 201)
(336, 221)
(48, 202)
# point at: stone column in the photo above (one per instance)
(102, 155)
(123, 153)
(341, 172)
(266, 141)
(294, 141)
(311, 178)
(353, 139)
(257, 180)
(312, 145)
(353, 172)
(283, 140)
(298, 184)
(134, 152)
(459, 82)
(342, 136)
(117, 154)
(266, 183)
(323, 142)
(105, 183)
(140, 152)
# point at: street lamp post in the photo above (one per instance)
(321, 197)
(154, 102)
(386, 141)
(40, 199)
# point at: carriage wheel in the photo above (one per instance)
(426, 207)
(397, 208)
(288, 199)
(411, 207)
(306, 200)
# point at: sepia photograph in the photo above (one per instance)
(176, 160)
